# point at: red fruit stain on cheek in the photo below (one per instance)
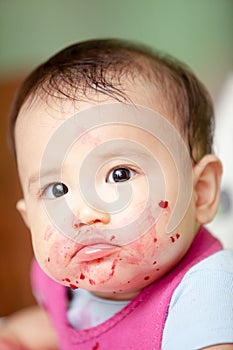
(73, 286)
(48, 233)
(60, 252)
(113, 268)
(59, 259)
(92, 282)
(82, 276)
(173, 238)
(163, 204)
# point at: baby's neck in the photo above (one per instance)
(116, 296)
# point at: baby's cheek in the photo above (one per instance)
(155, 252)
(58, 257)
(53, 252)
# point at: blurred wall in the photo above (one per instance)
(198, 32)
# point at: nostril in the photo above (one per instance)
(78, 225)
(92, 222)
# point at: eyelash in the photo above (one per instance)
(41, 193)
(130, 168)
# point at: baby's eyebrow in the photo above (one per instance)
(126, 153)
(34, 178)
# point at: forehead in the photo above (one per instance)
(56, 106)
(39, 118)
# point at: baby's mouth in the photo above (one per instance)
(94, 251)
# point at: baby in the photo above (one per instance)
(113, 144)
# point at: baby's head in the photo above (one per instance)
(113, 143)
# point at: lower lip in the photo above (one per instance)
(93, 252)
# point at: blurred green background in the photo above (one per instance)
(198, 32)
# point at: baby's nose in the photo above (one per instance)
(91, 216)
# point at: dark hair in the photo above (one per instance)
(100, 64)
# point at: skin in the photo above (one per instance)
(128, 269)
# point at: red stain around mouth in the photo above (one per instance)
(112, 238)
(82, 276)
(163, 204)
(73, 286)
(91, 282)
(113, 268)
(146, 278)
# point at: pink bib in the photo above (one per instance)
(140, 324)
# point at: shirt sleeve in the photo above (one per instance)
(201, 309)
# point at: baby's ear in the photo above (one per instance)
(207, 176)
(21, 207)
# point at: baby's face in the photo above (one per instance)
(99, 215)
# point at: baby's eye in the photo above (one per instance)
(120, 175)
(55, 190)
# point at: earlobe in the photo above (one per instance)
(21, 207)
(207, 177)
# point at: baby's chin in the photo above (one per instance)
(124, 271)
(111, 277)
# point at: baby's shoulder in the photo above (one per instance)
(212, 274)
(203, 303)
(220, 261)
